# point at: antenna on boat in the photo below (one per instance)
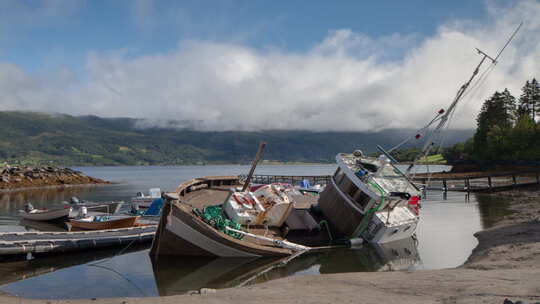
(254, 165)
(443, 116)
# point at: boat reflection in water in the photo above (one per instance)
(172, 275)
(177, 276)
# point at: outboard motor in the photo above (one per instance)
(28, 207)
(83, 212)
(135, 208)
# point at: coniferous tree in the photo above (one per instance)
(510, 106)
(535, 98)
(496, 112)
(529, 101)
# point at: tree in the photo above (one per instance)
(529, 101)
(496, 111)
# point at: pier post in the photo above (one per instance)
(537, 178)
(445, 188)
(514, 180)
(489, 182)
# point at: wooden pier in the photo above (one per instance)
(477, 182)
(480, 182)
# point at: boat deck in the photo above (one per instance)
(19, 243)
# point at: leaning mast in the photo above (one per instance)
(445, 115)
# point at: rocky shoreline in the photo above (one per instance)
(504, 268)
(23, 177)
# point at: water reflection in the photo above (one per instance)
(179, 275)
(17, 270)
(492, 209)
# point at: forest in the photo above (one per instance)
(507, 129)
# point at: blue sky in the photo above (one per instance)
(247, 65)
(148, 26)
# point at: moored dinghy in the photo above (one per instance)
(30, 213)
(101, 221)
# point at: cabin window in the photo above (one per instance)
(361, 198)
(345, 184)
(338, 176)
(351, 191)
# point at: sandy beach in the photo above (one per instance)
(504, 265)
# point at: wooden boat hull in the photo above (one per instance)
(112, 224)
(181, 233)
(49, 215)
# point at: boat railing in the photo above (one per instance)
(290, 179)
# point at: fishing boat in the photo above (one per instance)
(58, 214)
(367, 199)
(145, 200)
(102, 222)
(103, 207)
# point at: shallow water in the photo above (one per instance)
(444, 239)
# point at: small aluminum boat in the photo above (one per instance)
(46, 214)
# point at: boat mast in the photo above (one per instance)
(446, 114)
(254, 165)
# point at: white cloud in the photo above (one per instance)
(344, 83)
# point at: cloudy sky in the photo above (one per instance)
(254, 64)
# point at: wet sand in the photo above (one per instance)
(504, 265)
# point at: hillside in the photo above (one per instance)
(38, 138)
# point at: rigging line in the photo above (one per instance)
(109, 258)
(509, 40)
(470, 94)
(122, 276)
(437, 118)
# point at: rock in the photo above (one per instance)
(506, 301)
(207, 291)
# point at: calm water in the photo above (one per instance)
(445, 239)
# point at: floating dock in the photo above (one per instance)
(37, 242)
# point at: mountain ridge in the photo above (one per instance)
(61, 139)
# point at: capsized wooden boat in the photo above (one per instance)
(46, 214)
(103, 222)
(184, 230)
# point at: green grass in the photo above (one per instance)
(436, 158)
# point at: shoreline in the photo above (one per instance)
(21, 178)
(504, 265)
(60, 186)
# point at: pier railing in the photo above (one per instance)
(481, 182)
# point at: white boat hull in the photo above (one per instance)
(46, 215)
(402, 225)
